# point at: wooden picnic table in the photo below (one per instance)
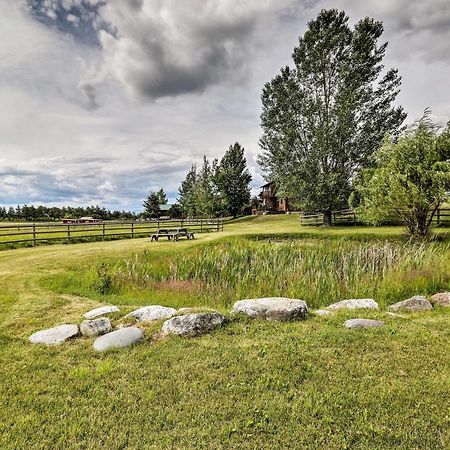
(172, 234)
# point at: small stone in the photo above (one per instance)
(54, 336)
(95, 327)
(191, 325)
(442, 299)
(416, 303)
(101, 311)
(355, 303)
(119, 338)
(151, 313)
(272, 308)
(322, 312)
(363, 323)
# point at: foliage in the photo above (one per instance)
(411, 178)
(232, 179)
(153, 202)
(323, 119)
(186, 193)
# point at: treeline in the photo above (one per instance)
(50, 213)
(218, 188)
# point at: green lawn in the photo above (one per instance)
(250, 385)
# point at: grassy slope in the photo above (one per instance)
(251, 385)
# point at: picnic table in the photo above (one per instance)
(172, 234)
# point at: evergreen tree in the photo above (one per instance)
(205, 190)
(186, 193)
(152, 204)
(162, 197)
(233, 180)
(323, 119)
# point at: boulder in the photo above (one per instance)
(194, 310)
(354, 303)
(416, 303)
(363, 323)
(322, 312)
(151, 313)
(119, 338)
(54, 336)
(272, 308)
(97, 312)
(441, 299)
(95, 327)
(193, 324)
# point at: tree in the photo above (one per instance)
(186, 193)
(152, 204)
(205, 190)
(162, 197)
(233, 180)
(411, 178)
(323, 119)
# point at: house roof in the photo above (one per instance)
(165, 207)
(267, 184)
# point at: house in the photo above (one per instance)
(271, 203)
(82, 220)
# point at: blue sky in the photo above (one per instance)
(103, 100)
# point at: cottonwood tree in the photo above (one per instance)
(233, 180)
(323, 118)
(411, 178)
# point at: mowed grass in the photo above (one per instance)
(251, 384)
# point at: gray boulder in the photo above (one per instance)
(151, 313)
(119, 338)
(322, 312)
(54, 336)
(193, 324)
(272, 308)
(354, 303)
(416, 303)
(442, 299)
(95, 327)
(363, 323)
(97, 312)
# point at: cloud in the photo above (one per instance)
(171, 47)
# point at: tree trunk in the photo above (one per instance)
(327, 218)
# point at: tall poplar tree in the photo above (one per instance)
(323, 119)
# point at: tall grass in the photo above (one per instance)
(318, 271)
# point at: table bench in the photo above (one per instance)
(172, 234)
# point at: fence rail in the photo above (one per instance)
(349, 217)
(40, 232)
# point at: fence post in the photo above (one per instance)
(68, 233)
(132, 229)
(158, 224)
(103, 231)
(201, 225)
(438, 217)
(34, 234)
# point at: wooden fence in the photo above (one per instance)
(348, 217)
(33, 233)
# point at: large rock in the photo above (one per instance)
(151, 313)
(119, 338)
(54, 336)
(354, 303)
(441, 299)
(363, 323)
(416, 303)
(95, 327)
(193, 324)
(97, 312)
(272, 308)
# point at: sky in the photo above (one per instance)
(104, 100)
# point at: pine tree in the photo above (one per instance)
(151, 204)
(186, 193)
(233, 180)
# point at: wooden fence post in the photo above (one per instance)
(68, 233)
(438, 216)
(132, 229)
(201, 225)
(34, 234)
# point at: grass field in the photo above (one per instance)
(250, 385)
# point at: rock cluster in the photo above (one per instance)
(192, 322)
